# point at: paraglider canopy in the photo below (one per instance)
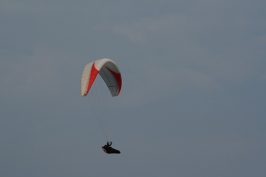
(109, 72)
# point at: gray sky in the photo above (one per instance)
(193, 97)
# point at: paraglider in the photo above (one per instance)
(109, 150)
(111, 75)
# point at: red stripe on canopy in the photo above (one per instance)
(118, 80)
(93, 75)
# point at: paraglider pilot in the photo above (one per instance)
(109, 150)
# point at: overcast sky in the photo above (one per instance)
(193, 97)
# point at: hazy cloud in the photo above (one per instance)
(192, 102)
